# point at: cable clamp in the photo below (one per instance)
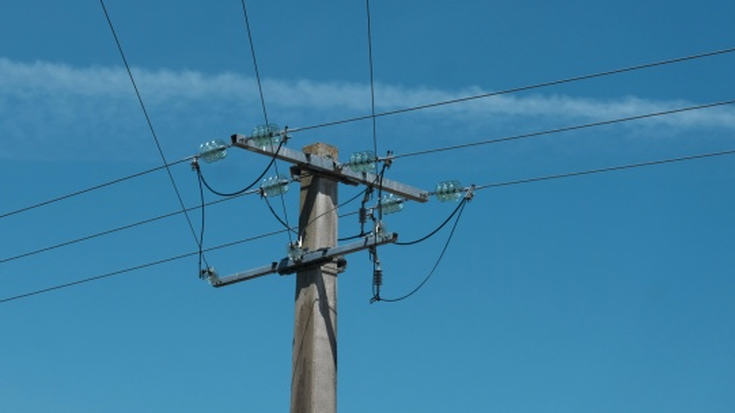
(470, 193)
(388, 160)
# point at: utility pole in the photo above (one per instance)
(314, 382)
(314, 359)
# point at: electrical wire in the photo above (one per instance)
(415, 108)
(149, 264)
(432, 233)
(372, 76)
(608, 169)
(262, 97)
(134, 268)
(148, 120)
(278, 218)
(4, 260)
(247, 188)
(110, 231)
(460, 208)
(520, 89)
(566, 129)
(92, 188)
(476, 188)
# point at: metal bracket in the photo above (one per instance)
(309, 259)
(331, 168)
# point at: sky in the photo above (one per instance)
(604, 292)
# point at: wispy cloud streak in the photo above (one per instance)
(50, 96)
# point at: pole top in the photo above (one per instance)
(322, 149)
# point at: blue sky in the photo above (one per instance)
(608, 292)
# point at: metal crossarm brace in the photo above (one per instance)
(330, 167)
(309, 259)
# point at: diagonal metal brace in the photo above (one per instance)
(331, 167)
(309, 259)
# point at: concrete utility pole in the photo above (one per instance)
(314, 376)
(314, 382)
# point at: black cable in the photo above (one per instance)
(262, 97)
(90, 189)
(202, 182)
(521, 88)
(608, 169)
(567, 129)
(372, 77)
(148, 120)
(247, 188)
(255, 60)
(461, 207)
(134, 268)
(479, 187)
(432, 233)
(106, 232)
(202, 272)
(278, 218)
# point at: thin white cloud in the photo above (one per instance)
(79, 102)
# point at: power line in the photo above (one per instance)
(372, 77)
(476, 188)
(107, 232)
(566, 129)
(520, 89)
(92, 188)
(262, 97)
(607, 169)
(134, 268)
(458, 211)
(507, 91)
(148, 120)
(153, 263)
(418, 153)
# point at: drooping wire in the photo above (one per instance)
(150, 124)
(432, 233)
(377, 297)
(262, 97)
(92, 188)
(519, 89)
(278, 218)
(372, 76)
(566, 129)
(204, 272)
(247, 188)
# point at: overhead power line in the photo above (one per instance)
(372, 76)
(566, 129)
(92, 188)
(262, 98)
(458, 211)
(417, 153)
(442, 103)
(476, 188)
(607, 169)
(520, 89)
(115, 230)
(134, 268)
(150, 124)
